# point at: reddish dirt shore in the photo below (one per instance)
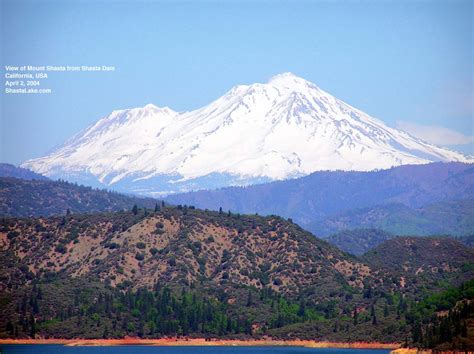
(202, 342)
(415, 351)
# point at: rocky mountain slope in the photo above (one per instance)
(185, 271)
(285, 128)
(181, 246)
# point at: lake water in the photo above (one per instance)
(134, 349)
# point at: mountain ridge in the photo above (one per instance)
(452, 217)
(33, 198)
(314, 199)
(10, 170)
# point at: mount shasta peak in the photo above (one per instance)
(255, 133)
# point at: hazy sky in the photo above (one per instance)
(409, 63)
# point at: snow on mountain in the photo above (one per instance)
(285, 128)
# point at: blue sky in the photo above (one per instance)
(409, 63)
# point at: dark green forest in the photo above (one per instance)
(71, 308)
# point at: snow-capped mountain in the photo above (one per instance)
(285, 128)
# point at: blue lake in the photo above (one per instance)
(134, 349)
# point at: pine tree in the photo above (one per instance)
(301, 308)
(135, 209)
(417, 334)
(249, 299)
(368, 293)
(32, 326)
(105, 334)
(385, 311)
(39, 293)
(9, 327)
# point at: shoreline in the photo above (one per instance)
(164, 342)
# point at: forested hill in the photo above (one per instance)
(422, 256)
(20, 197)
(360, 241)
(183, 271)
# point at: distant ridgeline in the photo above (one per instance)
(184, 271)
(431, 199)
(42, 197)
(9, 170)
(359, 241)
